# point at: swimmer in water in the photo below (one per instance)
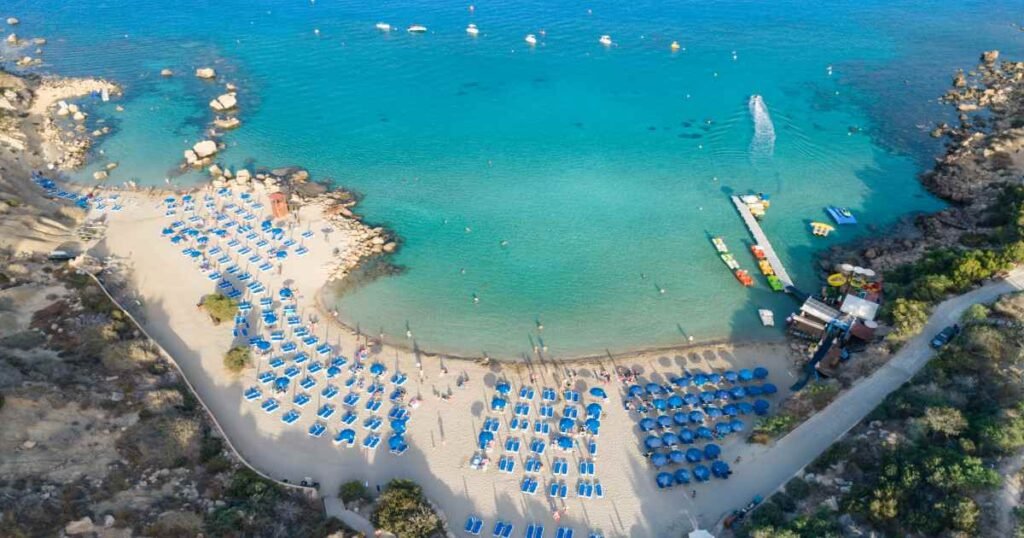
(504, 243)
(462, 271)
(468, 229)
(476, 299)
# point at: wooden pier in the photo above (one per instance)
(763, 242)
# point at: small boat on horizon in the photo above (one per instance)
(472, 30)
(605, 40)
(383, 26)
(530, 39)
(417, 29)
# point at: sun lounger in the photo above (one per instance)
(234, 294)
(300, 358)
(265, 377)
(301, 399)
(473, 525)
(252, 393)
(277, 336)
(547, 411)
(503, 529)
(538, 446)
(315, 367)
(506, 464)
(541, 428)
(373, 405)
(276, 363)
(307, 234)
(307, 383)
(492, 425)
(349, 417)
(564, 532)
(310, 341)
(560, 467)
(290, 417)
(535, 530)
(329, 392)
(288, 347)
(399, 379)
(323, 349)
(214, 275)
(301, 251)
(529, 486)
(533, 465)
(571, 411)
(317, 429)
(301, 332)
(371, 442)
(270, 405)
(512, 444)
(598, 490)
(351, 399)
(292, 372)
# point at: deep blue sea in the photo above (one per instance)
(568, 183)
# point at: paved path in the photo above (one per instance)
(777, 464)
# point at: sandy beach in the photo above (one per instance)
(442, 433)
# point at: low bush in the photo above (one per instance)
(220, 307)
(237, 359)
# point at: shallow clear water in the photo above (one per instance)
(604, 169)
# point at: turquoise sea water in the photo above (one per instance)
(603, 169)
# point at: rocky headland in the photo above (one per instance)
(984, 154)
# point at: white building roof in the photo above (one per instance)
(859, 308)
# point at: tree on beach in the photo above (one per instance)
(237, 359)
(220, 307)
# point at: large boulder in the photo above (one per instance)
(227, 123)
(13, 21)
(206, 73)
(224, 102)
(80, 526)
(205, 149)
(990, 56)
(166, 72)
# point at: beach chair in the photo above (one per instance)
(373, 405)
(317, 430)
(265, 377)
(323, 350)
(329, 392)
(292, 372)
(541, 428)
(598, 490)
(301, 251)
(290, 417)
(300, 358)
(349, 417)
(325, 411)
(564, 532)
(371, 442)
(473, 525)
(547, 411)
(307, 234)
(563, 490)
(535, 530)
(507, 464)
(315, 367)
(301, 399)
(528, 486)
(252, 393)
(503, 529)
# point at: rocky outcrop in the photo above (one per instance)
(206, 73)
(166, 72)
(13, 21)
(224, 102)
(984, 152)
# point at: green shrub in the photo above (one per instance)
(798, 489)
(975, 312)
(403, 511)
(908, 318)
(220, 308)
(237, 359)
(351, 491)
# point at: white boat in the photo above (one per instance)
(105, 95)
(383, 26)
(606, 40)
(531, 39)
(767, 317)
(417, 29)
(674, 46)
(472, 30)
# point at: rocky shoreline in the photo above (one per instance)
(985, 153)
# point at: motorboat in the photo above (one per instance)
(417, 29)
(383, 26)
(531, 39)
(606, 40)
(767, 317)
(674, 46)
(472, 30)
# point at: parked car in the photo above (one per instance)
(945, 336)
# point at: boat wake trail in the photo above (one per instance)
(763, 143)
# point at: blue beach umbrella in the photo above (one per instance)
(664, 421)
(396, 442)
(761, 407)
(269, 319)
(566, 425)
(167, 231)
(686, 436)
(704, 432)
(186, 198)
(503, 387)
(281, 254)
(730, 410)
(653, 388)
(169, 200)
(677, 456)
(594, 410)
(745, 408)
(769, 388)
(746, 374)
(485, 439)
(647, 424)
(714, 378)
(712, 451)
(333, 371)
(681, 381)
(398, 425)
(680, 418)
(664, 480)
(720, 469)
(675, 401)
(731, 376)
(565, 443)
(736, 425)
(693, 455)
(760, 372)
(498, 403)
(635, 390)
(593, 425)
(285, 293)
(263, 345)
(653, 442)
(670, 439)
(195, 253)
(701, 473)
(721, 394)
(377, 368)
(659, 404)
(598, 392)
(713, 412)
(281, 383)
(682, 476)
(691, 399)
(723, 428)
(754, 390)
(700, 379)
(348, 434)
(707, 396)
(659, 460)
(737, 392)
(696, 417)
